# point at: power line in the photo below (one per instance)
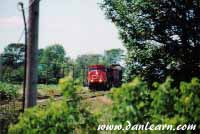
(25, 52)
(21, 35)
(30, 5)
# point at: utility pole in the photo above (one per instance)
(25, 53)
(32, 54)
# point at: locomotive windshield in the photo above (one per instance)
(93, 69)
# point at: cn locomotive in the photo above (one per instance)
(102, 77)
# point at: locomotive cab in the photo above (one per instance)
(102, 77)
(97, 76)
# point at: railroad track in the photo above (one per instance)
(96, 94)
(81, 95)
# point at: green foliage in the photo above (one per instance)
(188, 105)
(13, 75)
(134, 102)
(163, 104)
(57, 118)
(164, 97)
(8, 90)
(13, 55)
(48, 90)
(12, 60)
(131, 102)
(53, 54)
(113, 56)
(51, 62)
(161, 37)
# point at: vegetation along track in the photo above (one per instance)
(42, 99)
(82, 95)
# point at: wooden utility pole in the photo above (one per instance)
(32, 54)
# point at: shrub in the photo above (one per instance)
(131, 102)
(48, 90)
(188, 102)
(163, 104)
(57, 118)
(176, 105)
(163, 98)
(7, 91)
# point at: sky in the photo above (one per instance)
(79, 25)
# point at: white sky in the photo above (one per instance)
(79, 25)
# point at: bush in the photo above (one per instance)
(133, 102)
(7, 91)
(48, 90)
(57, 118)
(164, 104)
(130, 102)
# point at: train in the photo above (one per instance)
(103, 77)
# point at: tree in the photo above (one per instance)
(113, 56)
(51, 61)
(13, 55)
(161, 37)
(89, 59)
(53, 54)
(12, 60)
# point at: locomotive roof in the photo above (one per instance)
(115, 65)
(96, 66)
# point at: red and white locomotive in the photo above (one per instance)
(100, 76)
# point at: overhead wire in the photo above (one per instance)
(23, 31)
(30, 5)
(21, 36)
